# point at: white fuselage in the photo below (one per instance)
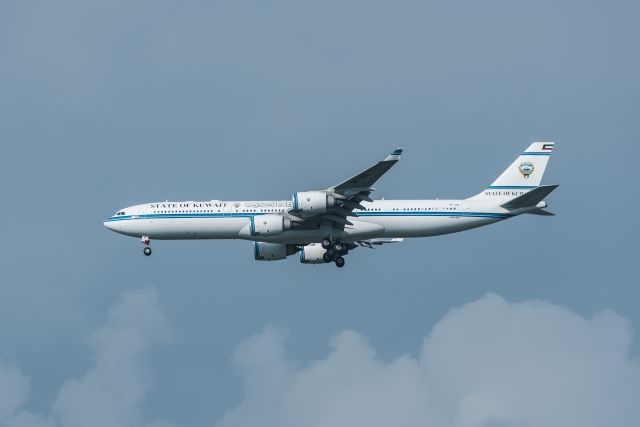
(233, 220)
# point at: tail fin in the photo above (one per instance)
(523, 175)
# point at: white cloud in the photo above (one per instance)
(13, 389)
(488, 363)
(111, 392)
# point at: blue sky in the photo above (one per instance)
(108, 104)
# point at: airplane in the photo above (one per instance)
(324, 225)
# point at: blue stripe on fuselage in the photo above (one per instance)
(187, 215)
(457, 214)
(358, 214)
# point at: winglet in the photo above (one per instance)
(395, 155)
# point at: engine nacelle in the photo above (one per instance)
(269, 225)
(263, 251)
(312, 254)
(313, 202)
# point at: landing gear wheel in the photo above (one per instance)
(147, 251)
(338, 247)
(339, 262)
(331, 252)
(327, 258)
(326, 243)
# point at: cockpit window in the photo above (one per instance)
(120, 213)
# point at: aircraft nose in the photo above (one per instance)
(108, 224)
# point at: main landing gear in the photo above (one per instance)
(147, 250)
(334, 252)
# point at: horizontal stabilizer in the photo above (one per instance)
(531, 198)
(541, 212)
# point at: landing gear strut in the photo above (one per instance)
(147, 250)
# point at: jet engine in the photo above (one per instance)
(313, 202)
(264, 251)
(312, 254)
(269, 225)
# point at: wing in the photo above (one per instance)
(363, 182)
(373, 243)
(350, 193)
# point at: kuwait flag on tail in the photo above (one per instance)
(547, 147)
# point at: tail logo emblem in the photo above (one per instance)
(526, 169)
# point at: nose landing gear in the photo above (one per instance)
(147, 250)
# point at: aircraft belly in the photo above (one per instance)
(360, 230)
(363, 230)
(193, 228)
(425, 226)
